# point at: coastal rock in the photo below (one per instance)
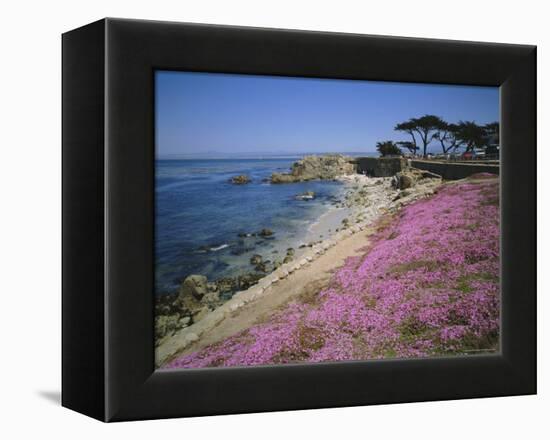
(166, 305)
(165, 324)
(226, 284)
(405, 181)
(308, 195)
(266, 232)
(324, 167)
(255, 259)
(283, 178)
(250, 279)
(265, 266)
(240, 179)
(233, 284)
(195, 285)
(411, 176)
(210, 298)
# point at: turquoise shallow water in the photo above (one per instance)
(199, 216)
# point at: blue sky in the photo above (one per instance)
(205, 113)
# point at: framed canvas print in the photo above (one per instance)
(262, 219)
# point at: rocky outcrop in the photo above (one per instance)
(164, 324)
(240, 179)
(170, 316)
(324, 167)
(195, 299)
(413, 184)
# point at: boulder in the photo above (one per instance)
(241, 179)
(406, 181)
(266, 232)
(255, 259)
(195, 286)
(410, 177)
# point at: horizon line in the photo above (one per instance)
(256, 154)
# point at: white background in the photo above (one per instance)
(30, 217)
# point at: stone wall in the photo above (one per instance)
(380, 166)
(455, 171)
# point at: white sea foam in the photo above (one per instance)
(219, 248)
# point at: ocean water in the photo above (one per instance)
(199, 216)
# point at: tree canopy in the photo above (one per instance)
(388, 148)
(426, 127)
(451, 136)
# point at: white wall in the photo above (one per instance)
(30, 232)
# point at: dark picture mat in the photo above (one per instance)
(108, 348)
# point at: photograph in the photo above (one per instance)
(279, 220)
(308, 220)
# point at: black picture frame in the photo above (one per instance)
(108, 223)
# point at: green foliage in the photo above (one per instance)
(450, 136)
(470, 134)
(426, 127)
(409, 128)
(388, 148)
